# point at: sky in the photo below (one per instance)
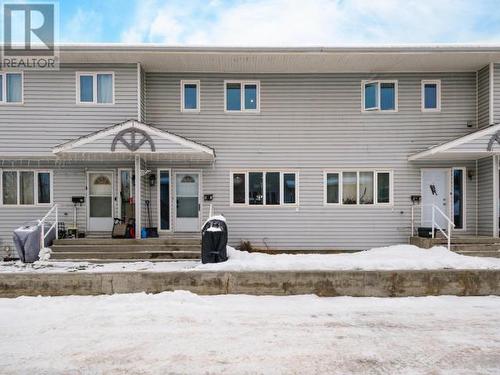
(279, 22)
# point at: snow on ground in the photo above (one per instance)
(399, 257)
(183, 333)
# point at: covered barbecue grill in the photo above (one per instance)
(214, 240)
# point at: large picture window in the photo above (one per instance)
(26, 188)
(264, 188)
(363, 187)
(95, 88)
(380, 96)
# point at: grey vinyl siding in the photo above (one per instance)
(483, 96)
(485, 196)
(496, 93)
(50, 115)
(142, 93)
(310, 123)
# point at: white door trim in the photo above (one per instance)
(200, 198)
(88, 194)
(158, 208)
(449, 195)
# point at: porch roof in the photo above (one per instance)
(125, 140)
(479, 144)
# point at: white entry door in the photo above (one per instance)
(436, 190)
(187, 195)
(100, 201)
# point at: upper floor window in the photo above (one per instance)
(431, 95)
(26, 188)
(95, 88)
(366, 187)
(242, 96)
(190, 96)
(380, 95)
(259, 188)
(11, 87)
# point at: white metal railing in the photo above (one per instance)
(53, 211)
(450, 224)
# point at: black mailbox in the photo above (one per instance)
(78, 200)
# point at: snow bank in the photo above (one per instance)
(399, 257)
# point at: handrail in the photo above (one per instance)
(435, 225)
(54, 226)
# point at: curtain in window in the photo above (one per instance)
(104, 88)
(9, 187)
(349, 187)
(14, 88)
(43, 187)
(26, 188)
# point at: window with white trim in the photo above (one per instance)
(242, 96)
(380, 95)
(26, 187)
(431, 96)
(190, 96)
(264, 188)
(362, 187)
(95, 87)
(11, 87)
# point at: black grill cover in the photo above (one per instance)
(214, 241)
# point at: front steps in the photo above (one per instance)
(466, 245)
(105, 250)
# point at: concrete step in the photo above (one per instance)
(118, 256)
(90, 260)
(128, 241)
(466, 240)
(475, 247)
(124, 248)
(474, 253)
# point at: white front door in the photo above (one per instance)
(187, 196)
(100, 201)
(435, 188)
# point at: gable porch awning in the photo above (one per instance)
(132, 138)
(477, 145)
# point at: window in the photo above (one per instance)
(11, 88)
(459, 198)
(164, 199)
(358, 187)
(95, 88)
(332, 188)
(380, 95)
(26, 188)
(190, 96)
(242, 96)
(431, 96)
(264, 188)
